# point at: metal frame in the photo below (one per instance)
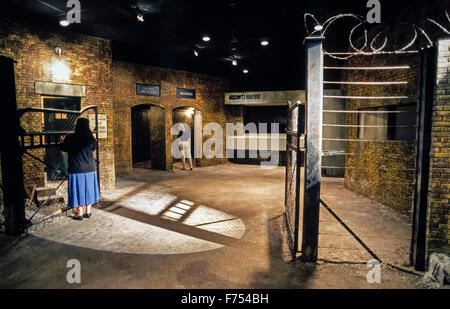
(51, 139)
(424, 119)
(313, 141)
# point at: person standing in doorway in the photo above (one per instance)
(83, 187)
(184, 142)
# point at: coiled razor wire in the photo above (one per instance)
(321, 29)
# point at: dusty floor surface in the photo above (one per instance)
(214, 227)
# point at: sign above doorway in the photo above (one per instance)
(148, 90)
(183, 93)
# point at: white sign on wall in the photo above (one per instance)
(102, 125)
(264, 98)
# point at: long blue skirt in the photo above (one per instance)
(83, 189)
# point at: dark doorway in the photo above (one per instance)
(56, 162)
(148, 137)
(266, 114)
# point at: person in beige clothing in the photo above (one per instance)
(184, 141)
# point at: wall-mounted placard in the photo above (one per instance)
(148, 90)
(183, 93)
(102, 125)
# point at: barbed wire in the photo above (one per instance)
(368, 48)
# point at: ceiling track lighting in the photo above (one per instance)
(245, 71)
(206, 38)
(264, 42)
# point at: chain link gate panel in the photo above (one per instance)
(295, 173)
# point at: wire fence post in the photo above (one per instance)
(314, 119)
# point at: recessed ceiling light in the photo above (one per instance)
(140, 17)
(245, 71)
(318, 27)
(234, 62)
(195, 53)
(64, 23)
(264, 42)
(206, 38)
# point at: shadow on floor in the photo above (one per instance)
(283, 272)
(168, 224)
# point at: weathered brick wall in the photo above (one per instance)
(386, 184)
(381, 170)
(89, 60)
(438, 215)
(209, 101)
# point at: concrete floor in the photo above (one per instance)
(214, 227)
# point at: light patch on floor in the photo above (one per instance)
(108, 231)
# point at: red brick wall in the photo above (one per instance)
(209, 101)
(89, 60)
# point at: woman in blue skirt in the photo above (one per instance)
(83, 185)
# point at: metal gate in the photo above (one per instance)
(45, 170)
(295, 173)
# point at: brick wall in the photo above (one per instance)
(89, 61)
(209, 101)
(438, 224)
(382, 170)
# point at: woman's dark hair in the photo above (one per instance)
(83, 130)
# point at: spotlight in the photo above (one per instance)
(206, 38)
(140, 17)
(264, 43)
(318, 27)
(195, 53)
(245, 71)
(64, 23)
(234, 62)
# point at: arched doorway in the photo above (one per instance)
(148, 137)
(186, 114)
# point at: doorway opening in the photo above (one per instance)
(185, 114)
(148, 137)
(55, 122)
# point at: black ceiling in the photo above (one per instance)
(172, 29)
